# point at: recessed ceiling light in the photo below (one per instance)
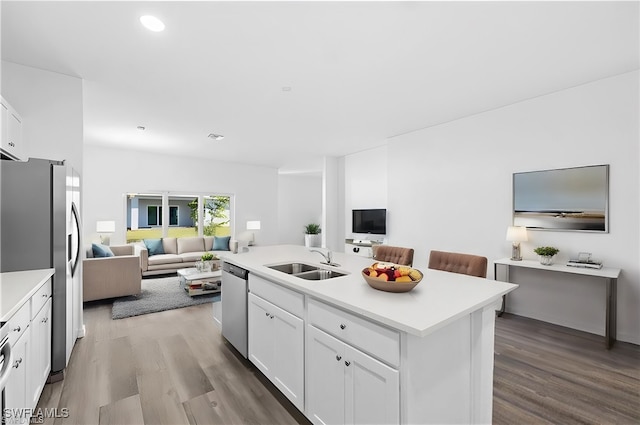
(152, 23)
(215, 136)
(141, 128)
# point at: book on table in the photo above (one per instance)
(590, 264)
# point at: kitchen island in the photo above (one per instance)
(344, 352)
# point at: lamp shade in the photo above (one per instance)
(105, 226)
(517, 234)
(253, 225)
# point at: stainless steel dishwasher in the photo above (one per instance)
(234, 306)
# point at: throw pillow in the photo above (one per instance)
(101, 251)
(221, 243)
(154, 246)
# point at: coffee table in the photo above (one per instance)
(200, 283)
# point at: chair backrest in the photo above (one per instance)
(393, 254)
(473, 265)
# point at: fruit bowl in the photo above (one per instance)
(389, 285)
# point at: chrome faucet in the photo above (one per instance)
(327, 257)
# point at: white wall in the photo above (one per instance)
(111, 173)
(50, 105)
(299, 203)
(450, 189)
(366, 185)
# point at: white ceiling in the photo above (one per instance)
(359, 72)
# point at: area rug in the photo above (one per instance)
(158, 295)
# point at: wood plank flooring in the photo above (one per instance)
(174, 367)
(548, 374)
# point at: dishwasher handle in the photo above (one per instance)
(5, 352)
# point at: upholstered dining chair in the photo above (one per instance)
(473, 265)
(393, 254)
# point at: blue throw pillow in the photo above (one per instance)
(221, 243)
(154, 246)
(101, 251)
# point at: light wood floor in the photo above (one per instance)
(175, 368)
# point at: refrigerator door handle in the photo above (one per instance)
(75, 260)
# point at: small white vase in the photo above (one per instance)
(313, 241)
(546, 260)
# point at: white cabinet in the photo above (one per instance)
(30, 338)
(11, 129)
(346, 386)
(17, 401)
(40, 359)
(276, 337)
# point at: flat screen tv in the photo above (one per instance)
(372, 221)
(562, 199)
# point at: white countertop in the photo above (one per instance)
(439, 299)
(17, 287)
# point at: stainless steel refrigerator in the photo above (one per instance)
(40, 228)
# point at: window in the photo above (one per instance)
(145, 215)
(154, 215)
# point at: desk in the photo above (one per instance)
(609, 275)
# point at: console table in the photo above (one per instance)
(609, 275)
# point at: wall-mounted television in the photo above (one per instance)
(372, 221)
(562, 199)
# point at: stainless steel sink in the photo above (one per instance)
(306, 271)
(319, 274)
(293, 268)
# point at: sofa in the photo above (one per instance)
(173, 254)
(109, 277)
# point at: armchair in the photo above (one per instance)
(111, 277)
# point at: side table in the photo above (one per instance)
(609, 276)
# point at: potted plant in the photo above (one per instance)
(207, 262)
(312, 237)
(546, 254)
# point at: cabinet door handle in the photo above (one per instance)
(45, 295)
(266, 314)
(338, 357)
(18, 329)
(45, 320)
(347, 363)
(342, 326)
(17, 363)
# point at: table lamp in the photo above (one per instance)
(252, 225)
(516, 234)
(106, 228)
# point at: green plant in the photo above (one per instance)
(312, 229)
(207, 256)
(546, 251)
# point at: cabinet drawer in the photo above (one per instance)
(376, 340)
(286, 299)
(19, 323)
(40, 298)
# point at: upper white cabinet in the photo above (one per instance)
(276, 336)
(11, 129)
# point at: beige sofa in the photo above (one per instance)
(111, 277)
(179, 253)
